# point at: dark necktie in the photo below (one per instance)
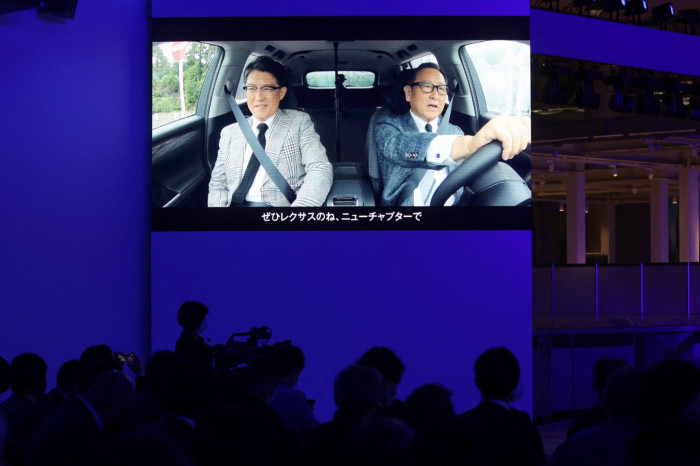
(250, 171)
(428, 128)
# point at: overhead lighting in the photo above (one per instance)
(614, 168)
(588, 207)
(662, 12)
(636, 7)
(651, 174)
(675, 200)
(561, 207)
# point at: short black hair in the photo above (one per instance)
(191, 315)
(412, 76)
(288, 359)
(267, 65)
(497, 373)
(69, 374)
(27, 371)
(385, 361)
(96, 352)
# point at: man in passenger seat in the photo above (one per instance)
(408, 141)
(289, 139)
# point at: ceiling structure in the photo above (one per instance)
(678, 23)
(651, 133)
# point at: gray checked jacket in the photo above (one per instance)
(402, 149)
(296, 150)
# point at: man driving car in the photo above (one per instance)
(408, 141)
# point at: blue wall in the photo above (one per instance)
(74, 150)
(437, 298)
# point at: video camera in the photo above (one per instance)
(234, 353)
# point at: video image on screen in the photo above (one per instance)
(348, 122)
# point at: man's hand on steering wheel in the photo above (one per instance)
(514, 132)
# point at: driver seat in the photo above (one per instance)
(375, 174)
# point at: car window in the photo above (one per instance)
(503, 69)
(326, 79)
(178, 70)
(416, 62)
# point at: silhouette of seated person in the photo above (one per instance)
(392, 369)
(607, 443)
(236, 429)
(260, 378)
(78, 430)
(429, 411)
(4, 386)
(192, 317)
(668, 416)
(358, 392)
(4, 375)
(291, 404)
(67, 386)
(498, 433)
(148, 406)
(183, 389)
(28, 383)
(602, 370)
(97, 359)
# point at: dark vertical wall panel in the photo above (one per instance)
(619, 290)
(574, 291)
(665, 290)
(695, 291)
(632, 234)
(542, 290)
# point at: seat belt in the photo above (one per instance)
(411, 183)
(259, 152)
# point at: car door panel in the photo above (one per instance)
(178, 173)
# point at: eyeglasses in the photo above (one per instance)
(265, 90)
(428, 87)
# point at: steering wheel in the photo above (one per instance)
(503, 185)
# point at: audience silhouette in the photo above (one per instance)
(602, 370)
(498, 433)
(183, 411)
(607, 442)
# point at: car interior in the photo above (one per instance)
(341, 85)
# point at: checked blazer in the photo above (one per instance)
(296, 150)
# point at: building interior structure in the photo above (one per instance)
(615, 193)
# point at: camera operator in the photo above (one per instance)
(191, 346)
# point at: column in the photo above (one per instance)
(576, 218)
(659, 220)
(607, 232)
(688, 226)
